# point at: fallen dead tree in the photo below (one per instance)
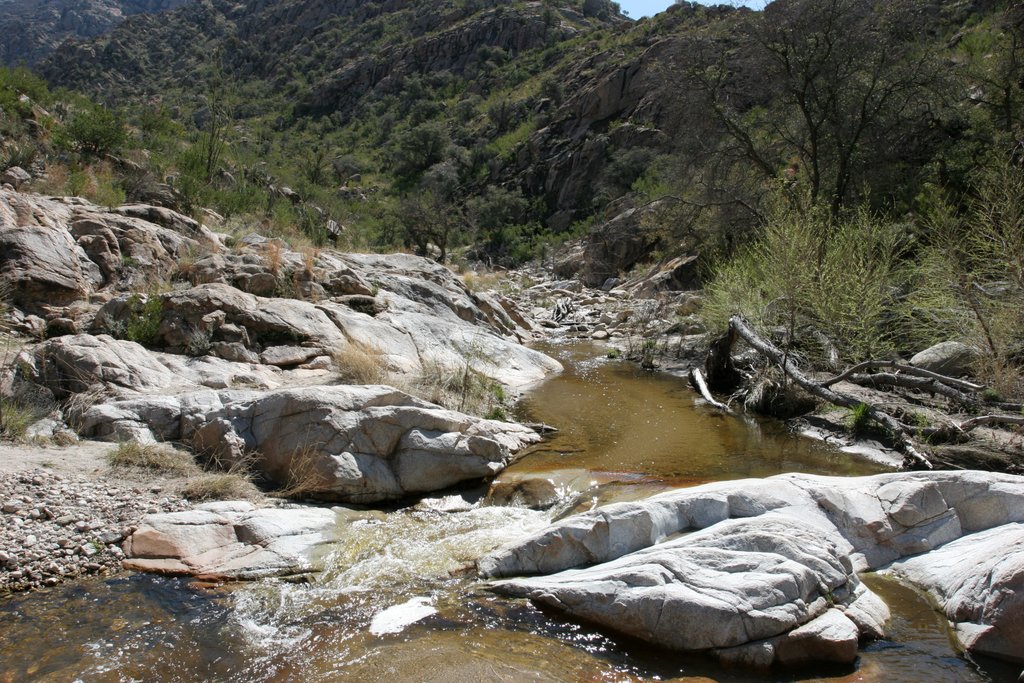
(722, 376)
(739, 328)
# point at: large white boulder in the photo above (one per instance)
(345, 443)
(961, 530)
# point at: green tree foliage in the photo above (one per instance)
(94, 131)
(19, 82)
(417, 149)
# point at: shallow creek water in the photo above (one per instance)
(623, 434)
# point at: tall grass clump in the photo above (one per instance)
(159, 458)
(358, 364)
(15, 418)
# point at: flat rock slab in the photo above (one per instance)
(796, 542)
(232, 540)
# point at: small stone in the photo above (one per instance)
(30, 541)
(12, 506)
(108, 537)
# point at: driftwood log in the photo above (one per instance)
(722, 376)
(739, 328)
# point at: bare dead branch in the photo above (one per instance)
(963, 385)
(697, 378)
(738, 326)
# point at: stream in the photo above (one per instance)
(624, 434)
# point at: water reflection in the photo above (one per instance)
(619, 423)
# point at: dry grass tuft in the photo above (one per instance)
(219, 486)
(459, 388)
(302, 479)
(358, 364)
(158, 457)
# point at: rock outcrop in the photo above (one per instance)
(56, 251)
(76, 267)
(768, 573)
(359, 444)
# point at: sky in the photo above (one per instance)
(645, 8)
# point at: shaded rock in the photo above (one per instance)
(830, 638)
(979, 581)
(618, 245)
(38, 256)
(680, 273)
(947, 358)
(269, 321)
(15, 176)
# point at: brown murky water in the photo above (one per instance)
(627, 432)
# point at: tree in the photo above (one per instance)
(94, 131)
(427, 217)
(417, 149)
(840, 96)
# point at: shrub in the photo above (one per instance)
(93, 131)
(970, 281)
(143, 322)
(808, 274)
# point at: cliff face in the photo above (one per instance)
(32, 29)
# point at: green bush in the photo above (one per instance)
(93, 131)
(143, 323)
(969, 284)
(810, 275)
(18, 81)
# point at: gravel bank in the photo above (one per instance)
(58, 526)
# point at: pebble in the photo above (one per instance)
(55, 527)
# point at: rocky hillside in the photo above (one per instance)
(32, 29)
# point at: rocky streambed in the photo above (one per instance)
(54, 527)
(287, 362)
